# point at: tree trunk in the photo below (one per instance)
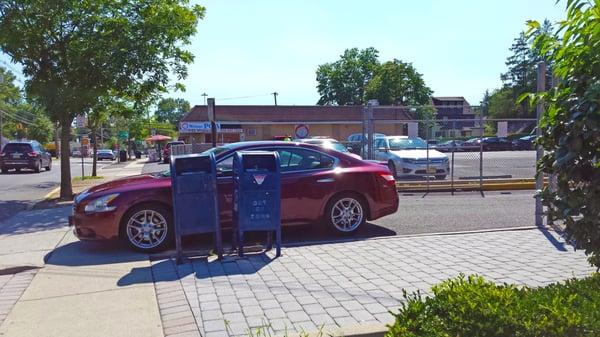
(56, 142)
(94, 152)
(66, 190)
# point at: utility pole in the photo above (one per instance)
(275, 96)
(539, 181)
(204, 95)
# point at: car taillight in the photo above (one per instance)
(388, 177)
(33, 154)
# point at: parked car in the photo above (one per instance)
(496, 144)
(29, 155)
(473, 144)
(524, 143)
(450, 145)
(407, 157)
(105, 154)
(355, 142)
(318, 185)
(167, 150)
(330, 143)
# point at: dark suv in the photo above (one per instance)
(30, 154)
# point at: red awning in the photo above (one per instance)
(157, 138)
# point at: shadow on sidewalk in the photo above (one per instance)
(551, 236)
(81, 253)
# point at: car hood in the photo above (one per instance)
(123, 183)
(418, 154)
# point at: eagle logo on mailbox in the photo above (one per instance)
(259, 178)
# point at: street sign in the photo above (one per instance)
(80, 121)
(190, 127)
(301, 131)
(211, 109)
(123, 134)
(85, 141)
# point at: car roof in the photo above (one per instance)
(28, 142)
(317, 140)
(403, 137)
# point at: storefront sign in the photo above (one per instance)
(196, 127)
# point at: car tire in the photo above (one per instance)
(49, 167)
(392, 168)
(38, 167)
(440, 177)
(139, 224)
(341, 213)
(17, 169)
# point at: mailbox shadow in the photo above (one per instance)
(116, 256)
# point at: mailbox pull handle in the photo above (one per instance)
(326, 180)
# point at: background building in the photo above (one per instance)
(263, 122)
(450, 109)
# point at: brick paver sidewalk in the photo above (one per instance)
(343, 284)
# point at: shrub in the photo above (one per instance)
(471, 306)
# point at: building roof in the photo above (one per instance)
(293, 113)
(449, 98)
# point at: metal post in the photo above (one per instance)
(81, 152)
(427, 136)
(370, 131)
(211, 117)
(363, 137)
(481, 131)
(452, 170)
(539, 181)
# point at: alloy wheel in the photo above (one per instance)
(146, 229)
(347, 214)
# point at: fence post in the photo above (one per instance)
(370, 105)
(481, 131)
(452, 170)
(539, 181)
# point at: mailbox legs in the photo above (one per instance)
(278, 242)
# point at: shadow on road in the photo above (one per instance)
(30, 221)
(81, 253)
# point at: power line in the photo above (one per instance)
(17, 118)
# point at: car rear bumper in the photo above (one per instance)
(17, 164)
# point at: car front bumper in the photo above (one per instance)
(421, 170)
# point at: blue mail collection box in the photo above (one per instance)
(195, 206)
(257, 195)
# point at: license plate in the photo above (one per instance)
(431, 170)
(16, 155)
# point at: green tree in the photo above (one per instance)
(398, 83)
(171, 110)
(74, 52)
(343, 82)
(571, 125)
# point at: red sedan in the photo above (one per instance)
(318, 186)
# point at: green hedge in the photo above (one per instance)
(471, 306)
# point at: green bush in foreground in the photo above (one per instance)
(471, 306)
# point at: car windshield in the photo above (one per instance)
(216, 150)
(407, 143)
(334, 146)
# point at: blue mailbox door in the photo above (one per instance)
(257, 195)
(195, 208)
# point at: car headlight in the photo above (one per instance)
(101, 204)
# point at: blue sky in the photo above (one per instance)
(252, 48)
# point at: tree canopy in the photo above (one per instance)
(571, 125)
(74, 52)
(170, 110)
(358, 76)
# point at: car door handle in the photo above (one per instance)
(326, 180)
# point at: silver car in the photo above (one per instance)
(407, 157)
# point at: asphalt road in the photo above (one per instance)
(18, 190)
(439, 212)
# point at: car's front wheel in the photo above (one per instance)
(148, 228)
(392, 168)
(346, 213)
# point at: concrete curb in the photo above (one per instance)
(467, 185)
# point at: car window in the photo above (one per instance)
(303, 159)
(225, 167)
(22, 148)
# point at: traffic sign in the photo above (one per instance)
(301, 131)
(123, 134)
